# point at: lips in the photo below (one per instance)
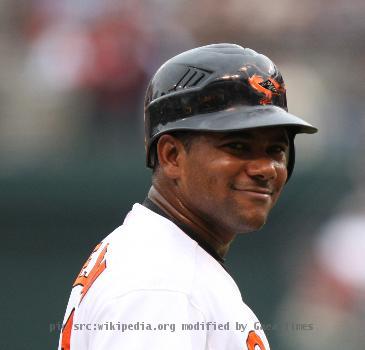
(259, 190)
(256, 192)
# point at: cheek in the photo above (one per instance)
(281, 176)
(282, 172)
(205, 180)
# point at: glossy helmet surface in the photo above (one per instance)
(218, 88)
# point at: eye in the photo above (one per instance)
(237, 146)
(278, 150)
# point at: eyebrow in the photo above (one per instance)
(246, 135)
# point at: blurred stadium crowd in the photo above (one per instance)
(73, 75)
(76, 69)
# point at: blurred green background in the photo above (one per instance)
(73, 76)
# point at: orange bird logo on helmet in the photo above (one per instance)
(268, 87)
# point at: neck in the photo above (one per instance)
(174, 208)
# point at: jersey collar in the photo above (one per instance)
(148, 203)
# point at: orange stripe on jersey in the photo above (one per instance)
(81, 278)
(85, 279)
(254, 340)
(66, 332)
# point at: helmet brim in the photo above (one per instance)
(238, 118)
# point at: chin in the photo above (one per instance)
(254, 224)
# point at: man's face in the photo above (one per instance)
(232, 180)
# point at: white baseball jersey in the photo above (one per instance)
(148, 285)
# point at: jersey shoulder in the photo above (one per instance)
(147, 252)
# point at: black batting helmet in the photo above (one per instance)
(218, 88)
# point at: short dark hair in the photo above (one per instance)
(185, 137)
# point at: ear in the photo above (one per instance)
(170, 152)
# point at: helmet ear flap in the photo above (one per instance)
(152, 155)
(291, 160)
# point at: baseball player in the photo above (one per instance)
(221, 145)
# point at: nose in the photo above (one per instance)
(263, 169)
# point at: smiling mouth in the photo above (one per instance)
(264, 193)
